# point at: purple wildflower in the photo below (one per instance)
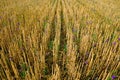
(113, 77)
(114, 43)
(119, 38)
(86, 62)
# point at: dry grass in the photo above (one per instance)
(59, 40)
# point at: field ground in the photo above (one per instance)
(59, 39)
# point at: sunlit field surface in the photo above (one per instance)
(59, 39)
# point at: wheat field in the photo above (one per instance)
(59, 39)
